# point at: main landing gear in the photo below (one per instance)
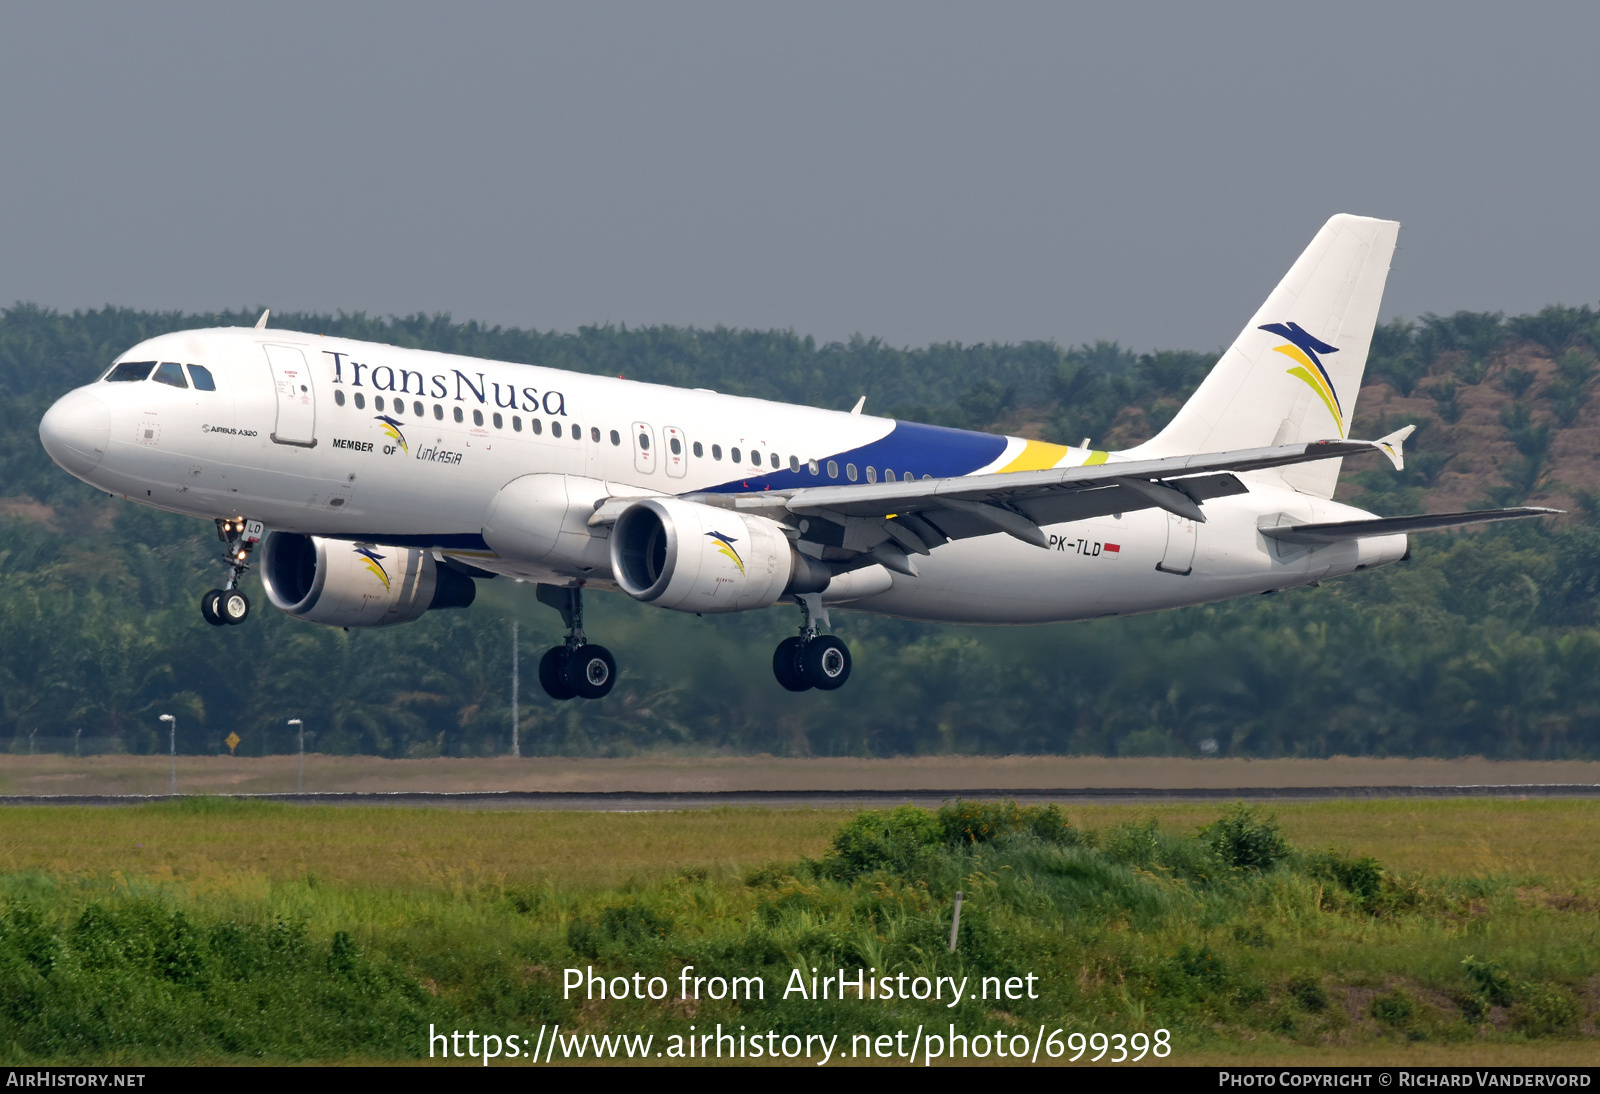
(575, 669)
(228, 604)
(811, 660)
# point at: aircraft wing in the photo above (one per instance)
(1388, 526)
(890, 519)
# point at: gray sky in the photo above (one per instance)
(921, 172)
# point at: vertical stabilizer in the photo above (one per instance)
(1294, 372)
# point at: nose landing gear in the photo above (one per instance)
(811, 660)
(228, 604)
(575, 669)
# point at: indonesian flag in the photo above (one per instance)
(1113, 548)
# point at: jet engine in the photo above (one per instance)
(347, 584)
(697, 558)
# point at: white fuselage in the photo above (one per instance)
(388, 445)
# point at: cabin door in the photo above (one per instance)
(297, 405)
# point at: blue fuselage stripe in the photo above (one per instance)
(932, 450)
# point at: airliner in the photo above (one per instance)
(380, 482)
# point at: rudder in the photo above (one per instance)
(1294, 372)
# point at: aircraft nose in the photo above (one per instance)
(76, 430)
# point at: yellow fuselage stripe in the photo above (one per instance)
(1036, 456)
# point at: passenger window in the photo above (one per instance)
(833, 469)
(377, 403)
(794, 464)
(536, 426)
(555, 429)
(516, 423)
(129, 372)
(202, 378)
(171, 374)
(438, 412)
(577, 432)
(416, 408)
(616, 439)
(644, 442)
(872, 474)
(361, 401)
(850, 471)
(698, 450)
(733, 454)
(338, 396)
(477, 417)
(910, 477)
(498, 421)
(716, 452)
(676, 446)
(814, 468)
(458, 415)
(594, 434)
(888, 474)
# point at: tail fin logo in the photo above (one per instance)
(375, 564)
(1304, 349)
(725, 547)
(391, 429)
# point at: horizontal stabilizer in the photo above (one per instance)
(1391, 446)
(1392, 526)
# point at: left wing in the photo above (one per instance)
(889, 520)
(1335, 531)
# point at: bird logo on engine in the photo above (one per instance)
(725, 547)
(375, 564)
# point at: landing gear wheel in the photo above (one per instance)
(553, 673)
(210, 608)
(591, 670)
(786, 665)
(233, 607)
(825, 663)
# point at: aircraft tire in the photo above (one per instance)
(208, 608)
(591, 670)
(786, 665)
(233, 607)
(825, 663)
(553, 673)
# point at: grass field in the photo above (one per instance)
(212, 930)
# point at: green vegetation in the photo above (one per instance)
(1481, 644)
(1239, 944)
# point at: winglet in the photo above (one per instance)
(1391, 446)
(861, 402)
(261, 324)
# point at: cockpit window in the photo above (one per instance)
(202, 378)
(129, 371)
(170, 372)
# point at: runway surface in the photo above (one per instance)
(624, 801)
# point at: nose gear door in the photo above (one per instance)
(297, 407)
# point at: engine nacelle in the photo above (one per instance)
(543, 519)
(347, 584)
(697, 558)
